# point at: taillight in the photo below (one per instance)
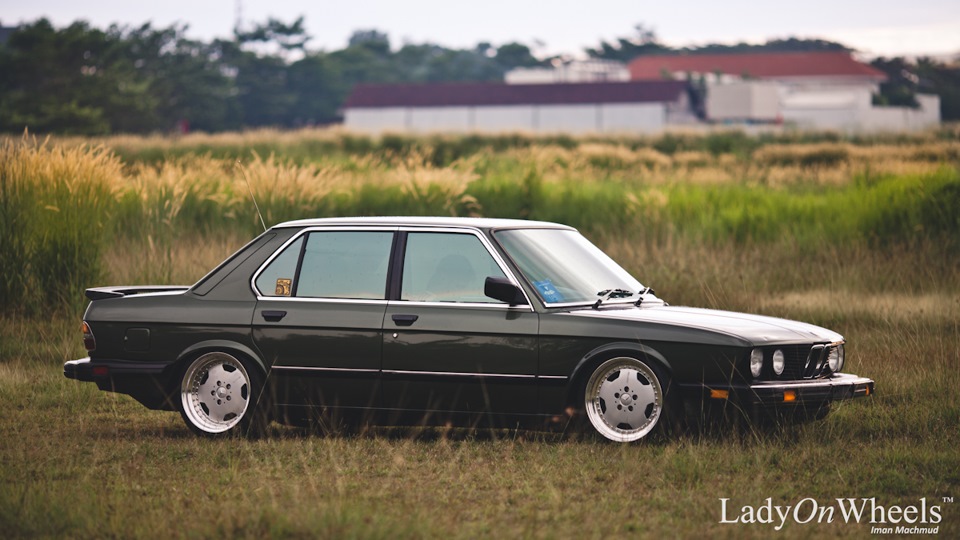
(89, 342)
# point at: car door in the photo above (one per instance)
(321, 301)
(448, 347)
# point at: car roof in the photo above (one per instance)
(413, 221)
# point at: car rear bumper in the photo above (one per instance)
(147, 382)
(86, 369)
(80, 370)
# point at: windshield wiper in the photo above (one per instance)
(607, 294)
(645, 291)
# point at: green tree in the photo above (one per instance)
(87, 81)
(513, 55)
(54, 80)
(644, 41)
(261, 79)
(317, 86)
(944, 80)
(365, 62)
(375, 41)
(289, 37)
(900, 88)
(183, 78)
(791, 44)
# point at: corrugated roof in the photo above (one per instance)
(760, 65)
(471, 94)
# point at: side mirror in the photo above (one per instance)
(501, 289)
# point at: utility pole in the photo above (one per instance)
(238, 16)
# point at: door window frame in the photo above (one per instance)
(395, 268)
(302, 234)
(400, 257)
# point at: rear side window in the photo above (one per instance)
(345, 265)
(277, 278)
(334, 264)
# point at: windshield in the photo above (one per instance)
(564, 267)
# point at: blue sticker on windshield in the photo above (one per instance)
(549, 293)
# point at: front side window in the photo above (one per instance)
(447, 267)
(331, 264)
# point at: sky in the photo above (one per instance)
(873, 27)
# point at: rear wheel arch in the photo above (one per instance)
(239, 350)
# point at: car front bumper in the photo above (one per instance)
(816, 392)
(838, 387)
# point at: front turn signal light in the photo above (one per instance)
(720, 394)
(789, 396)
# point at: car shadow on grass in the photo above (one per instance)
(696, 426)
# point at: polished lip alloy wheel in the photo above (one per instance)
(215, 392)
(623, 399)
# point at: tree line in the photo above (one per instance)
(88, 81)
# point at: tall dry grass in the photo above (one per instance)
(66, 205)
(55, 205)
(311, 144)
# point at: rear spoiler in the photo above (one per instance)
(101, 293)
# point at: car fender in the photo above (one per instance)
(222, 345)
(611, 350)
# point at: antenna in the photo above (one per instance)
(252, 196)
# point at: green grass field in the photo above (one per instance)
(864, 243)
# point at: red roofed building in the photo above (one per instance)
(825, 66)
(816, 90)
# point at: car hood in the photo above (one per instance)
(756, 329)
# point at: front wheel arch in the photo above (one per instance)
(672, 420)
(590, 361)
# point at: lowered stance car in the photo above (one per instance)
(436, 319)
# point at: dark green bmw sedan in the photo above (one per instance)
(397, 320)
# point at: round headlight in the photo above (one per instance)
(778, 362)
(756, 362)
(842, 358)
(833, 359)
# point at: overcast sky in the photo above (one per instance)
(876, 27)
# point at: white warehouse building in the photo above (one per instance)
(574, 71)
(808, 90)
(578, 108)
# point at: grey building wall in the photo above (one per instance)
(574, 119)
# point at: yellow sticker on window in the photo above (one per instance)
(283, 286)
